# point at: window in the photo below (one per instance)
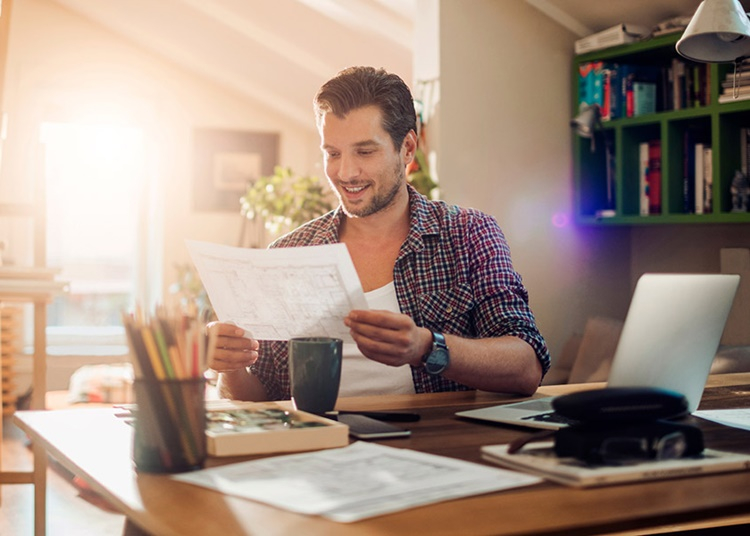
(96, 193)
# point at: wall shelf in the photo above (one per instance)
(717, 125)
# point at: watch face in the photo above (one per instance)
(437, 361)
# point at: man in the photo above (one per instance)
(446, 312)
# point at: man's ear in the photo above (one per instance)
(409, 147)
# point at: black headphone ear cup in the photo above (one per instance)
(621, 404)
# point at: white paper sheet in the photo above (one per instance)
(355, 482)
(737, 418)
(277, 294)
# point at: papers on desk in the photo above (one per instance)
(277, 294)
(736, 418)
(355, 482)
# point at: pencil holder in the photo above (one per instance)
(170, 425)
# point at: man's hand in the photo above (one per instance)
(233, 351)
(390, 338)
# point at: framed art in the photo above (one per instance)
(226, 162)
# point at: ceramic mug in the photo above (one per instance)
(315, 372)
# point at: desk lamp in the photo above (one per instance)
(719, 32)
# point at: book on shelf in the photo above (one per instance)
(540, 459)
(699, 170)
(723, 99)
(643, 178)
(693, 171)
(654, 177)
(644, 98)
(708, 180)
(244, 428)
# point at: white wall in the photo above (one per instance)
(504, 146)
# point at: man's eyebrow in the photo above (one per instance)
(359, 145)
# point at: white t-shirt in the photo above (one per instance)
(361, 376)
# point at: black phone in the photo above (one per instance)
(363, 427)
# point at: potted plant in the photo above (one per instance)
(285, 200)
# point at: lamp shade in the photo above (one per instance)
(718, 32)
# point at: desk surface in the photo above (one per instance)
(163, 506)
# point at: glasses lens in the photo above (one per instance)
(671, 446)
(624, 449)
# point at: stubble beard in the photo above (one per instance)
(380, 201)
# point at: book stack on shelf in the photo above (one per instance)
(736, 84)
(625, 90)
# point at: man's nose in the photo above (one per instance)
(348, 168)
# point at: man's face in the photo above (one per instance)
(364, 169)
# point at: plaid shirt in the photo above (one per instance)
(453, 274)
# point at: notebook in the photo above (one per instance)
(669, 339)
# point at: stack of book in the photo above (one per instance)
(736, 84)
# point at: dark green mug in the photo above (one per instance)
(315, 372)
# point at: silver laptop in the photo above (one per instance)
(668, 340)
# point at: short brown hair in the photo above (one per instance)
(356, 87)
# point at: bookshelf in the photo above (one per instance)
(714, 124)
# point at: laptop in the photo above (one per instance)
(669, 339)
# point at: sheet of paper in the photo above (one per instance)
(737, 418)
(355, 482)
(277, 294)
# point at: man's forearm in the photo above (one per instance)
(241, 385)
(502, 364)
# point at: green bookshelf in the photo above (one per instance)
(716, 124)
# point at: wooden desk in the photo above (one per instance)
(96, 445)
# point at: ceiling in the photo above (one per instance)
(279, 52)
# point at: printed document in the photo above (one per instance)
(277, 294)
(355, 482)
(737, 418)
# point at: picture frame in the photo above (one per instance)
(226, 161)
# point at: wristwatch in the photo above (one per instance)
(439, 358)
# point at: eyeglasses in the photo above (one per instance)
(624, 450)
(618, 450)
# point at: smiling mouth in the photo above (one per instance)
(353, 189)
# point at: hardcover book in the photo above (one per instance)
(540, 459)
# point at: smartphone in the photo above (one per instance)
(363, 427)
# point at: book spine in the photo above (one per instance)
(654, 176)
(688, 173)
(607, 95)
(699, 187)
(644, 98)
(643, 175)
(708, 180)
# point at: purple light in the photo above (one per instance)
(560, 220)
